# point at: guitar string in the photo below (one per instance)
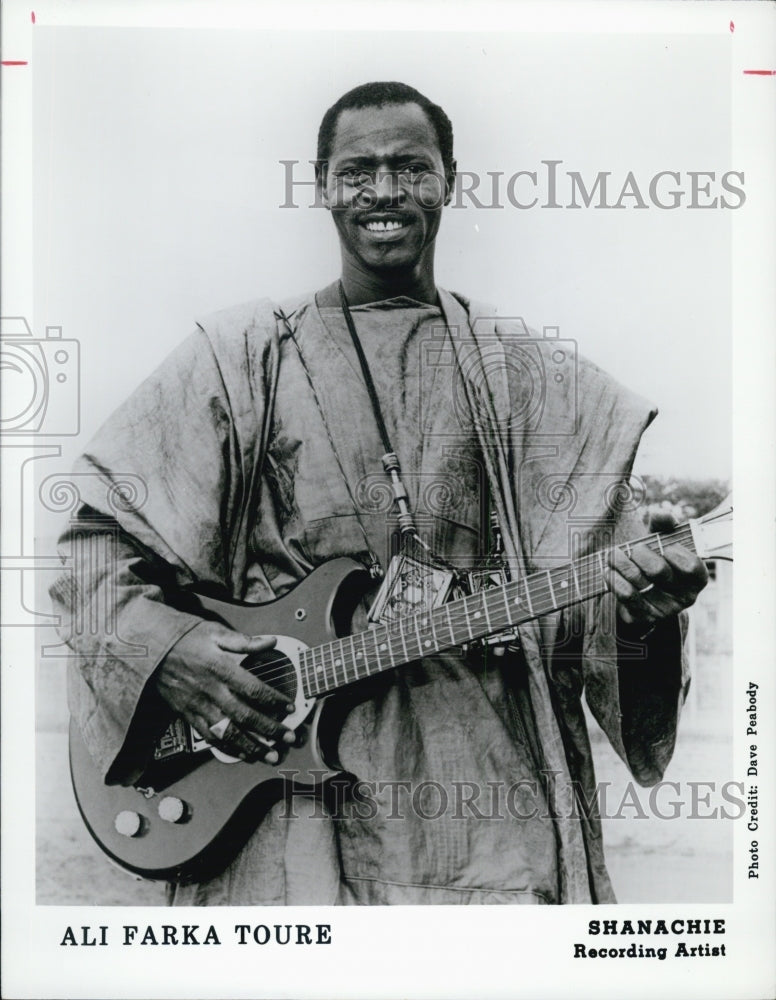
(459, 613)
(456, 613)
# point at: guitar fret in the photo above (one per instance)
(507, 609)
(407, 656)
(378, 661)
(353, 656)
(388, 646)
(333, 664)
(320, 671)
(423, 644)
(576, 581)
(485, 609)
(416, 623)
(305, 673)
(337, 652)
(314, 654)
(660, 544)
(432, 623)
(450, 624)
(528, 595)
(467, 617)
(552, 589)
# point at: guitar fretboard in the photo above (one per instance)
(334, 664)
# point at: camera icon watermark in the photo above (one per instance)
(503, 376)
(85, 593)
(41, 381)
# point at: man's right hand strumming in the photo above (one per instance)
(202, 679)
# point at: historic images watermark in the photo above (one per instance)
(523, 799)
(548, 185)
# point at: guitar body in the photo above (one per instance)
(191, 812)
(194, 807)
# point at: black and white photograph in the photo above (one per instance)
(376, 382)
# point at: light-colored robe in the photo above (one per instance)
(243, 490)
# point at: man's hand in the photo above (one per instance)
(650, 587)
(202, 680)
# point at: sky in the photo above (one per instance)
(158, 184)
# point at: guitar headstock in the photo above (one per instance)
(712, 534)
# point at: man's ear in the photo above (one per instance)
(321, 195)
(450, 182)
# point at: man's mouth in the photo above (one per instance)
(384, 226)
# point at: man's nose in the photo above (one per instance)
(386, 188)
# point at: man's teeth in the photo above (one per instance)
(382, 227)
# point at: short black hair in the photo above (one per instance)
(377, 95)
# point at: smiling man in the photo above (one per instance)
(380, 417)
(385, 179)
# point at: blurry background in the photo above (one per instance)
(158, 187)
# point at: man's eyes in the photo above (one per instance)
(414, 169)
(360, 175)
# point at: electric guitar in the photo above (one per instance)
(194, 807)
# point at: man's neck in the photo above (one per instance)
(363, 286)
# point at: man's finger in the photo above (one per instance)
(624, 589)
(654, 568)
(225, 702)
(249, 720)
(627, 568)
(641, 604)
(662, 521)
(241, 682)
(230, 738)
(225, 737)
(238, 642)
(687, 564)
(254, 690)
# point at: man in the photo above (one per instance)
(260, 443)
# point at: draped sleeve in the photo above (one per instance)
(192, 437)
(559, 439)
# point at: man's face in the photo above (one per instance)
(385, 186)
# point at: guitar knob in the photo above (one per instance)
(128, 823)
(172, 809)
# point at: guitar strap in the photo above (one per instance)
(390, 459)
(416, 577)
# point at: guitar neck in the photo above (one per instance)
(334, 664)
